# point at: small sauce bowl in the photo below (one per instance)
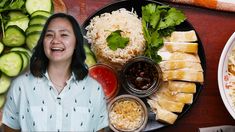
(141, 76)
(127, 113)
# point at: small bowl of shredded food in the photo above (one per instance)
(127, 113)
(141, 76)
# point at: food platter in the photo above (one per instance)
(152, 124)
(224, 79)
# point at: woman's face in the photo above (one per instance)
(59, 41)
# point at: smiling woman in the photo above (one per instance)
(57, 91)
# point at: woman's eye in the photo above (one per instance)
(64, 35)
(49, 35)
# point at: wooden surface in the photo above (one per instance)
(214, 28)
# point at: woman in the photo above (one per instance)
(57, 94)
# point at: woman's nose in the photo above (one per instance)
(56, 39)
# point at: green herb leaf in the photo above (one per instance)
(173, 17)
(158, 22)
(115, 40)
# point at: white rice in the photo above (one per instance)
(100, 28)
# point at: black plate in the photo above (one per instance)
(136, 5)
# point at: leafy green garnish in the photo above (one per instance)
(158, 22)
(115, 40)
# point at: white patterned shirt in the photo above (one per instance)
(33, 104)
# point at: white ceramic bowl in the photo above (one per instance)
(223, 78)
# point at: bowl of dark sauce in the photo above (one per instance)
(141, 76)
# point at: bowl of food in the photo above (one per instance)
(107, 77)
(141, 76)
(127, 113)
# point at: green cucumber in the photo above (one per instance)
(41, 20)
(11, 64)
(90, 60)
(21, 49)
(21, 23)
(14, 15)
(14, 36)
(5, 83)
(33, 28)
(34, 5)
(32, 39)
(41, 13)
(87, 49)
(1, 47)
(2, 100)
(25, 60)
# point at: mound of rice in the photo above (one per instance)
(101, 27)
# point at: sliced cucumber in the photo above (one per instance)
(41, 20)
(21, 49)
(5, 82)
(14, 36)
(25, 60)
(34, 28)
(21, 23)
(34, 5)
(2, 100)
(90, 60)
(87, 49)
(32, 39)
(11, 64)
(16, 15)
(1, 47)
(41, 13)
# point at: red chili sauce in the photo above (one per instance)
(106, 77)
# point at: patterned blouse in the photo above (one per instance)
(33, 104)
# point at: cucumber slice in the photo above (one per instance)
(1, 47)
(33, 28)
(41, 20)
(34, 5)
(21, 49)
(21, 23)
(5, 82)
(90, 60)
(14, 36)
(41, 13)
(25, 61)
(32, 39)
(16, 15)
(11, 64)
(2, 100)
(87, 49)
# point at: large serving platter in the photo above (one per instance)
(223, 76)
(185, 26)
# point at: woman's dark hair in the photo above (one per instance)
(39, 61)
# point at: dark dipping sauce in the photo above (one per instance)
(141, 75)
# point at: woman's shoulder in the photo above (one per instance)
(24, 77)
(91, 80)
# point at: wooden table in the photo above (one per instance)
(214, 28)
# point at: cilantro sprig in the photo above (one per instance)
(115, 40)
(158, 22)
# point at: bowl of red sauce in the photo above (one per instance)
(107, 77)
(141, 76)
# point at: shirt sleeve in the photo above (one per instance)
(11, 109)
(102, 118)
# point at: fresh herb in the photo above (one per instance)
(115, 40)
(158, 22)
